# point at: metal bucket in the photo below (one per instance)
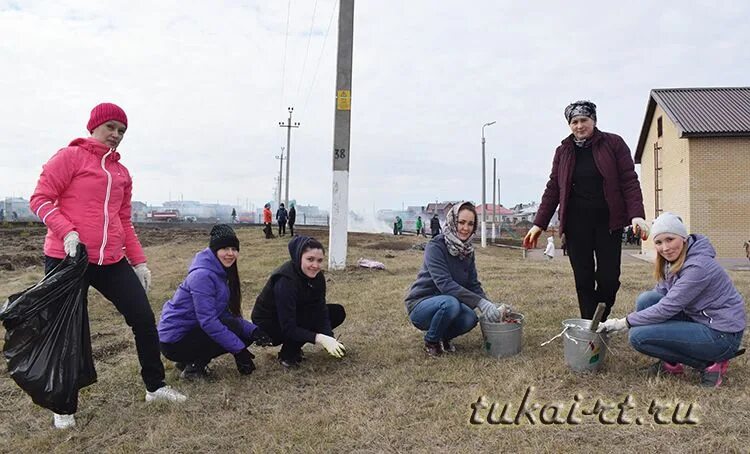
(584, 349)
(503, 338)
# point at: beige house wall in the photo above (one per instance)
(674, 159)
(720, 192)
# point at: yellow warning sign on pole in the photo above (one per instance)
(343, 100)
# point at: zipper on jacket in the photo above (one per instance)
(106, 205)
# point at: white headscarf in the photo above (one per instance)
(456, 246)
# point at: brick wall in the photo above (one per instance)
(720, 192)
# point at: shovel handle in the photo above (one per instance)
(600, 308)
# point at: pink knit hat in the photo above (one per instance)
(103, 113)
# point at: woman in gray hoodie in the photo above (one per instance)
(694, 315)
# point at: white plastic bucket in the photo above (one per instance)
(584, 349)
(504, 338)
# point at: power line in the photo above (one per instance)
(307, 51)
(320, 57)
(283, 65)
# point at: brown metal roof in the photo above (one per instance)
(700, 112)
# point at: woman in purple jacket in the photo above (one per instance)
(593, 180)
(203, 319)
(694, 315)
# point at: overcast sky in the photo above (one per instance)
(205, 84)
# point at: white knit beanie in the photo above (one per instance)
(668, 223)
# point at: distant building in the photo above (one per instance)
(501, 213)
(439, 208)
(20, 207)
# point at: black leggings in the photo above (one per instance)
(290, 349)
(198, 347)
(119, 284)
(594, 252)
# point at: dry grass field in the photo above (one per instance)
(385, 395)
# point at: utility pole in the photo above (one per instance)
(289, 125)
(484, 190)
(494, 205)
(281, 164)
(500, 227)
(338, 225)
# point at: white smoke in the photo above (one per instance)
(367, 223)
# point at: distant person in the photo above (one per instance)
(281, 217)
(447, 290)
(292, 218)
(593, 180)
(435, 225)
(418, 225)
(234, 216)
(292, 306)
(2, 215)
(84, 196)
(549, 251)
(203, 319)
(14, 216)
(399, 226)
(267, 220)
(694, 316)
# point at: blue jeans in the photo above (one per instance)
(443, 317)
(681, 340)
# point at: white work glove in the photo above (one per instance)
(490, 312)
(640, 227)
(144, 275)
(613, 325)
(70, 243)
(529, 241)
(332, 346)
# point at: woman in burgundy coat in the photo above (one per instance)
(593, 180)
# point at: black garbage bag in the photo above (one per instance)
(47, 339)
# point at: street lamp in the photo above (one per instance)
(484, 190)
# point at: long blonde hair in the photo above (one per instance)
(660, 264)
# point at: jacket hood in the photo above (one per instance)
(94, 146)
(206, 259)
(699, 245)
(296, 246)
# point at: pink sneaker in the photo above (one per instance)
(663, 367)
(711, 377)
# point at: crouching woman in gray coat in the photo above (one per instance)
(447, 290)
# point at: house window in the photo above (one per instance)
(659, 128)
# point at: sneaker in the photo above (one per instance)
(448, 346)
(165, 393)
(663, 367)
(724, 367)
(433, 349)
(711, 375)
(195, 371)
(64, 421)
(289, 363)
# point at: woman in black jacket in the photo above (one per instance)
(292, 307)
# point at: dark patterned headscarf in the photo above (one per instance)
(456, 246)
(580, 108)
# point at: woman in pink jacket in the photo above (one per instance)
(83, 196)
